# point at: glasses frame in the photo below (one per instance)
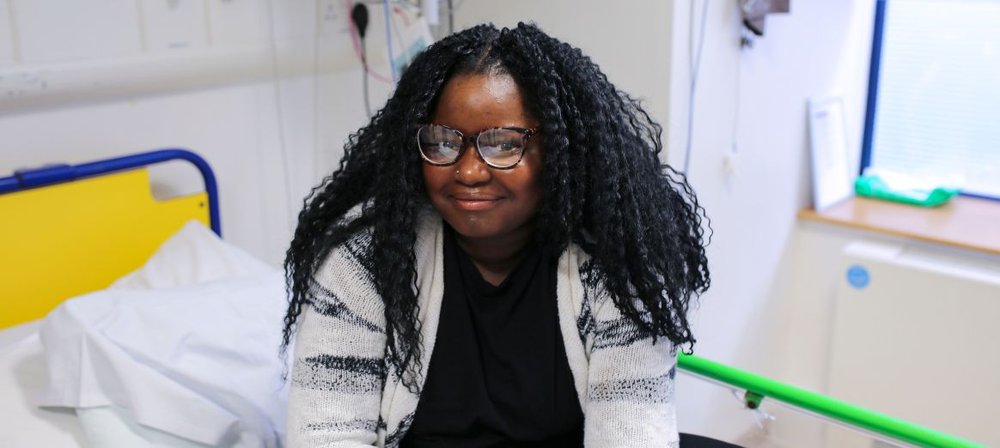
(526, 133)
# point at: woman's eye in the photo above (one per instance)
(508, 146)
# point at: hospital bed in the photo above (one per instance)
(152, 325)
(160, 347)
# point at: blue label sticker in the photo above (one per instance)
(858, 276)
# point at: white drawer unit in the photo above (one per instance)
(916, 335)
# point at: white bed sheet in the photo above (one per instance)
(194, 260)
(22, 378)
(25, 425)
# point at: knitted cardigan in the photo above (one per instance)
(343, 395)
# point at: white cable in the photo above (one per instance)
(388, 38)
(737, 98)
(396, 27)
(695, 65)
(317, 166)
(276, 74)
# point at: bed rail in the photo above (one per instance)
(855, 417)
(57, 221)
(58, 173)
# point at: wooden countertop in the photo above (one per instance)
(965, 222)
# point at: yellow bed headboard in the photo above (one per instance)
(70, 238)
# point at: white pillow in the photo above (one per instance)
(193, 255)
(198, 361)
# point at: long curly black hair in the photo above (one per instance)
(605, 189)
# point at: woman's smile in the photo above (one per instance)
(472, 201)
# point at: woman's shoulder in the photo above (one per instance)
(354, 251)
(583, 263)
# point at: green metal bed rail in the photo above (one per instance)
(758, 387)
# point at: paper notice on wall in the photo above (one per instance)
(832, 180)
(414, 35)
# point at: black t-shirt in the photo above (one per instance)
(498, 376)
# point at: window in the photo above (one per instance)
(934, 91)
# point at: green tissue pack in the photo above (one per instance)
(881, 184)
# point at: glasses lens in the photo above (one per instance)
(501, 147)
(439, 144)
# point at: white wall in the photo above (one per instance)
(629, 40)
(227, 125)
(750, 108)
(266, 91)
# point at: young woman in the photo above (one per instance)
(500, 260)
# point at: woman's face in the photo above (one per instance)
(478, 201)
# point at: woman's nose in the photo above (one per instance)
(470, 169)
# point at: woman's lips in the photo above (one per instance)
(474, 202)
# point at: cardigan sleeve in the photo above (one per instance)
(339, 368)
(630, 384)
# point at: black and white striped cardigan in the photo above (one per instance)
(342, 394)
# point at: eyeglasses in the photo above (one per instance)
(499, 147)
